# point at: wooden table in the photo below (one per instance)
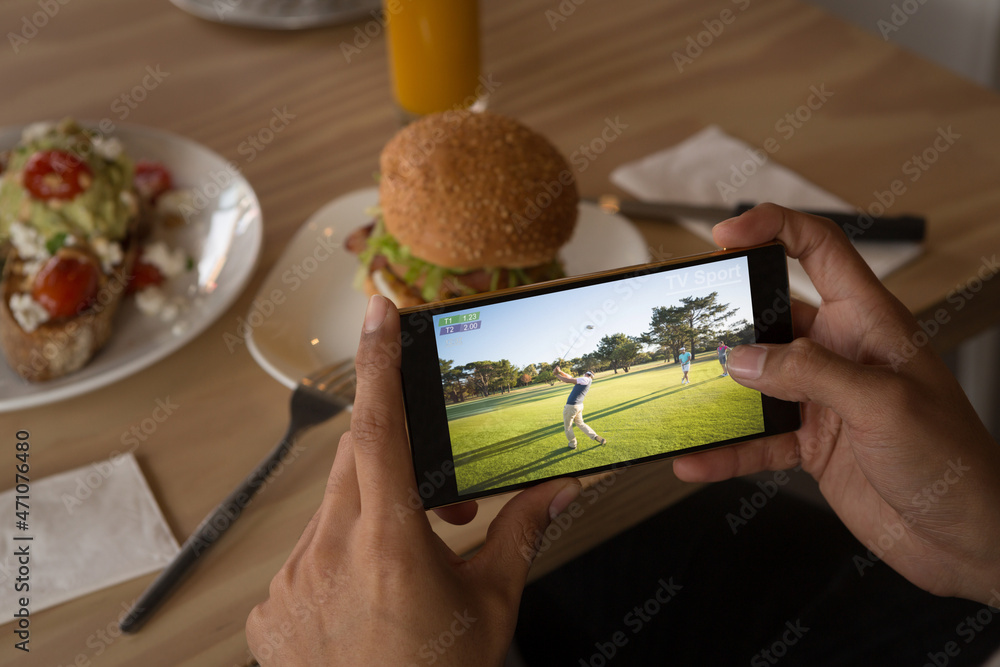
(564, 78)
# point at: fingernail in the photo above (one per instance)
(563, 499)
(375, 315)
(746, 361)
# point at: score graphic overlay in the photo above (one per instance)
(506, 385)
(459, 323)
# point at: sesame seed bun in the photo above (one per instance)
(470, 190)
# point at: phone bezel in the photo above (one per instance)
(424, 399)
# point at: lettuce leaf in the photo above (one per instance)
(431, 276)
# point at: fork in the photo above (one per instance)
(318, 397)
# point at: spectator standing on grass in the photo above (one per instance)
(573, 410)
(685, 359)
(722, 357)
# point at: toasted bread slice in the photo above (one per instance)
(58, 347)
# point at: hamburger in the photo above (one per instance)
(468, 203)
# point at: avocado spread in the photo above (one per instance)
(102, 209)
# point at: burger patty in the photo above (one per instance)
(456, 284)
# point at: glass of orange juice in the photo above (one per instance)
(433, 54)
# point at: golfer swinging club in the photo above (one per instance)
(573, 410)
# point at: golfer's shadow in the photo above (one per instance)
(498, 448)
(514, 473)
(595, 415)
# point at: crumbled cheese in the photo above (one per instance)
(109, 252)
(35, 131)
(154, 302)
(150, 300)
(28, 242)
(31, 269)
(28, 312)
(170, 310)
(170, 262)
(109, 148)
(177, 202)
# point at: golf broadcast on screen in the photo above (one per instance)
(590, 376)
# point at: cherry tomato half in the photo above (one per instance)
(144, 275)
(66, 285)
(55, 174)
(152, 179)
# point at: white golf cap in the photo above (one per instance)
(590, 373)
(682, 347)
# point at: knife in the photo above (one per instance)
(858, 226)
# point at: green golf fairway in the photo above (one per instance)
(517, 437)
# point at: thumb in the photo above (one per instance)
(802, 371)
(514, 537)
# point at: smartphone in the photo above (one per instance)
(591, 373)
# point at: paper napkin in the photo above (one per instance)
(712, 168)
(90, 528)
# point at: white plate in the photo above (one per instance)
(308, 313)
(282, 15)
(223, 238)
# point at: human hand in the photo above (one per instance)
(898, 451)
(369, 582)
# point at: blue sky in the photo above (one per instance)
(549, 326)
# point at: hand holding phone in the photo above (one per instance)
(484, 377)
(889, 435)
(366, 548)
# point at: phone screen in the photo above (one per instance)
(590, 374)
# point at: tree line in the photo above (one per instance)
(697, 323)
